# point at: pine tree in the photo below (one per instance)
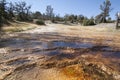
(105, 8)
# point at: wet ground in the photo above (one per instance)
(51, 53)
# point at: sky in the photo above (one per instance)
(85, 7)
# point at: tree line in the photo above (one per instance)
(17, 11)
(103, 17)
(22, 12)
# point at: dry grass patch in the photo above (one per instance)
(18, 27)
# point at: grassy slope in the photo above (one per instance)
(18, 26)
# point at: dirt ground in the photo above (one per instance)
(62, 52)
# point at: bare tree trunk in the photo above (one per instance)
(0, 26)
(117, 24)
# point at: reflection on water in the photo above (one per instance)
(56, 46)
(112, 54)
(72, 44)
(22, 43)
(54, 52)
(13, 43)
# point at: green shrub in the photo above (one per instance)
(111, 21)
(88, 22)
(53, 21)
(40, 22)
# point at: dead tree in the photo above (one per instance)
(118, 20)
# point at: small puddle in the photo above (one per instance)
(107, 48)
(55, 47)
(18, 62)
(72, 44)
(52, 53)
(102, 48)
(65, 56)
(13, 43)
(112, 54)
(23, 43)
